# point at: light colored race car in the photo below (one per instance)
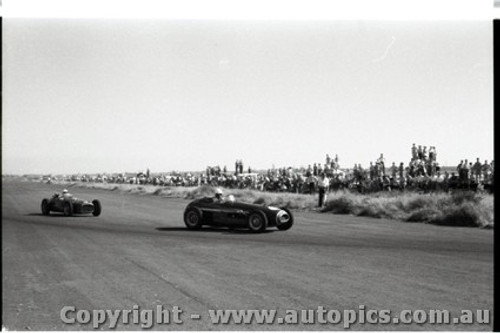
(68, 205)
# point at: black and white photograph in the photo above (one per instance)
(247, 166)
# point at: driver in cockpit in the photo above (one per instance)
(218, 198)
(65, 195)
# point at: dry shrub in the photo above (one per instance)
(458, 209)
(463, 215)
(425, 215)
(340, 205)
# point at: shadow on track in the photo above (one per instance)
(220, 230)
(58, 215)
(96, 225)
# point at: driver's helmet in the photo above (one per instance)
(218, 193)
(65, 191)
(230, 198)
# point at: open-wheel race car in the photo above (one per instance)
(68, 205)
(232, 214)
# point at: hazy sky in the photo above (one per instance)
(89, 95)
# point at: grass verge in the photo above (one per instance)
(457, 209)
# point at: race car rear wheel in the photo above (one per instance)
(192, 219)
(45, 207)
(257, 222)
(68, 209)
(97, 207)
(288, 224)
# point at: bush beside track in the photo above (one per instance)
(461, 208)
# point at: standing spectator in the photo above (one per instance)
(466, 169)
(328, 159)
(381, 163)
(309, 171)
(335, 163)
(376, 171)
(486, 169)
(311, 180)
(421, 168)
(401, 170)
(402, 179)
(323, 187)
(328, 171)
(420, 153)
(465, 172)
(434, 169)
(315, 170)
(429, 169)
(432, 154)
(460, 168)
(320, 169)
(386, 183)
(424, 154)
(394, 170)
(476, 170)
(414, 153)
(372, 171)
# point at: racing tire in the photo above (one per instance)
(257, 222)
(97, 207)
(45, 207)
(68, 209)
(287, 225)
(193, 219)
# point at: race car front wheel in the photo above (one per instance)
(45, 207)
(97, 208)
(68, 208)
(257, 222)
(192, 219)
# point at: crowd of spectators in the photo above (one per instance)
(422, 173)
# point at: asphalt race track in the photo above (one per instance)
(138, 252)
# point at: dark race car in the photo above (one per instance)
(68, 205)
(210, 211)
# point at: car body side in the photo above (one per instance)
(234, 214)
(56, 203)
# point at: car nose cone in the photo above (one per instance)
(283, 217)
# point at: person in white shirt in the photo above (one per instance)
(381, 165)
(323, 187)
